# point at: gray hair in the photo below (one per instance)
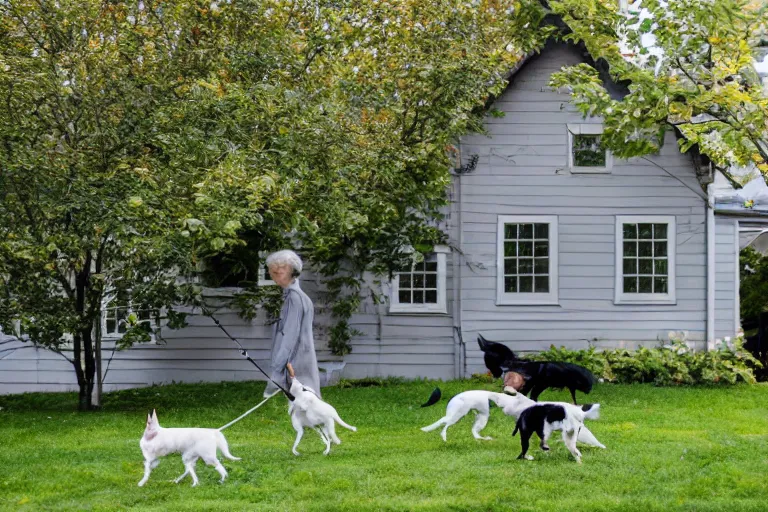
(286, 257)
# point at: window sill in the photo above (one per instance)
(114, 338)
(590, 170)
(404, 310)
(641, 302)
(527, 302)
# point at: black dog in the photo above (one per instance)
(543, 419)
(495, 355)
(538, 375)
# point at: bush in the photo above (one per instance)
(674, 363)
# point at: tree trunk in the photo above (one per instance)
(85, 368)
(96, 398)
(84, 350)
(84, 401)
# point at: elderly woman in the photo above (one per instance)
(292, 340)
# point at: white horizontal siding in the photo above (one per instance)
(726, 280)
(388, 345)
(522, 170)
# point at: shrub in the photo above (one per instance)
(674, 363)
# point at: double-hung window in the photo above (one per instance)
(115, 312)
(421, 288)
(645, 259)
(526, 260)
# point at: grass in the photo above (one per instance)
(685, 449)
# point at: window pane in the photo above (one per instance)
(526, 284)
(659, 231)
(645, 231)
(405, 281)
(659, 248)
(111, 326)
(510, 248)
(660, 285)
(430, 266)
(587, 151)
(541, 284)
(122, 314)
(418, 280)
(525, 266)
(525, 248)
(430, 281)
(404, 296)
(645, 249)
(645, 266)
(645, 285)
(660, 267)
(510, 266)
(418, 296)
(510, 284)
(510, 231)
(630, 285)
(630, 248)
(630, 231)
(541, 230)
(430, 296)
(630, 266)
(541, 266)
(526, 231)
(541, 249)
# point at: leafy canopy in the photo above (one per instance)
(138, 139)
(697, 75)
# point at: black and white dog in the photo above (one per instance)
(543, 419)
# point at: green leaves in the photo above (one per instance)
(671, 364)
(696, 76)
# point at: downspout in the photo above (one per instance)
(458, 345)
(710, 269)
(737, 281)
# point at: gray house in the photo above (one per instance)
(552, 241)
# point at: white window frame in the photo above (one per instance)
(440, 252)
(645, 298)
(264, 272)
(113, 336)
(587, 129)
(516, 299)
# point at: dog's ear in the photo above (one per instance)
(154, 416)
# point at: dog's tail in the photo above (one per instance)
(437, 424)
(221, 444)
(517, 426)
(343, 424)
(591, 411)
(433, 398)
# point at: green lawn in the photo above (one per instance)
(668, 449)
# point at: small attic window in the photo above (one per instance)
(586, 153)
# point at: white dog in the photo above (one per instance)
(511, 403)
(308, 410)
(192, 443)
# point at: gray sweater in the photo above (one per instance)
(292, 341)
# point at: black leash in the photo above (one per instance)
(244, 353)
